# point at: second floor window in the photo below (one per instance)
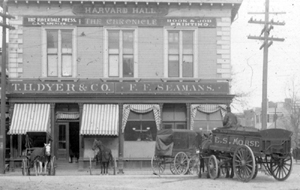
(180, 53)
(59, 59)
(120, 53)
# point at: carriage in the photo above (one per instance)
(33, 141)
(243, 151)
(178, 149)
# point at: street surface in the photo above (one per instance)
(142, 180)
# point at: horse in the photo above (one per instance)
(104, 156)
(40, 156)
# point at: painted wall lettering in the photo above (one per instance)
(94, 86)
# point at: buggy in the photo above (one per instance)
(178, 148)
(33, 141)
(243, 151)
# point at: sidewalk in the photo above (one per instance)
(86, 171)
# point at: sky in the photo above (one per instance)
(247, 58)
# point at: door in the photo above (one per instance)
(63, 141)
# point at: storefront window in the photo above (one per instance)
(174, 116)
(207, 121)
(140, 127)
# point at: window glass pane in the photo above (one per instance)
(127, 42)
(127, 65)
(180, 112)
(134, 116)
(66, 65)
(148, 116)
(173, 66)
(173, 38)
(66, 37)
(168, 113)
(52, 65)
(187, 66)
(52, 39)
(113, 65)
(113, 39)
(140, 131)
(168, 126)
(200, 125)
(201, 116)
(215, 116)
(187, 42)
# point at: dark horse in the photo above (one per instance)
(38, 157)
(104, 156)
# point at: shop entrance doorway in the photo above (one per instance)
(67, 139)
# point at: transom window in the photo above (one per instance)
(181, 53)
(121, 53)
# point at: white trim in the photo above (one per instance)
(135, 56)
(196, 45)
(105, 53)
(166, 67)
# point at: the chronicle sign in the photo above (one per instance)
(119, 87)
(200, 22)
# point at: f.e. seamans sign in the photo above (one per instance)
(118, 87)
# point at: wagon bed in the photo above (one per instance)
(242, 149)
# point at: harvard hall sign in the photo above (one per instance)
(93, 86)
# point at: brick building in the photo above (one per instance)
(118, 71)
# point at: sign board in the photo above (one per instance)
(200, 22)
(96, 86)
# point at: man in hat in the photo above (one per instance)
(230, 120)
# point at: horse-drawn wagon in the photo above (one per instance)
(178, 148)
(243, 151)
(38, 154)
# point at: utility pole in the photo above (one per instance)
(3, 87)
(268, 41)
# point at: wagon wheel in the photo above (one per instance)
(212, 166)
(244, 163)
(172, 169)
(281, 167)
(181, 163)
(24, 167)
(52, 165)
(194, 166)
(158, 165)
(256, 171)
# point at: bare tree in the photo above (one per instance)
(293, 106)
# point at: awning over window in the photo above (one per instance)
(30, 118)
(100, 119)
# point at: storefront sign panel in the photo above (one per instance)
(61, 87)
(200, 22)
(119, 87)
(108, 10)
(50, 21)
(172, 88)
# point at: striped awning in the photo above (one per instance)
(30, 118)
(100, 119)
